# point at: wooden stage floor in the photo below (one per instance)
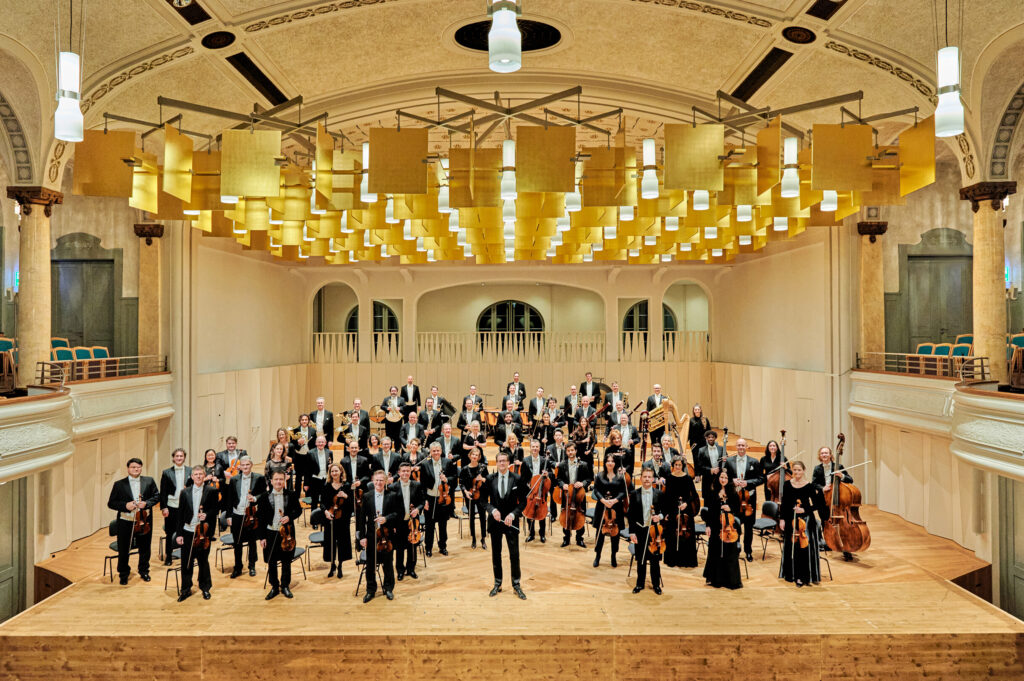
(890, 614)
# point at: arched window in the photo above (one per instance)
(635, 324)
(510, 316)
(384, 319)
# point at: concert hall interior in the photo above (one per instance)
(326, 340)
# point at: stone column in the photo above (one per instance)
(33, 318)
(872, 287)
(150, 288)
(989, 272)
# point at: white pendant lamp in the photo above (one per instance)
(504, 41)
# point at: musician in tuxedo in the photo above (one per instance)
(472, 438)
(451, 447)
(467, 416)
(535, 464)
(364, 416)
(386, 459)
(411, 395)
(172, 481)
(668, 450)
(615, 399)
(509, 425)
(433, 472)
(536, 406)
(505, 501)
(431, 419)
(322, 420)
(585, 411)
(197, 505)
(318, 461)
(229, 456)
(477, 400)
(556, 415)
(357, 469)
(410, 493)
(380, 509)
(646, 506)
(588, 388)
(746, 474)
(571, 403)
(243, 490)
(393, 402)
(355, 431)
(707, 463)
(440, 403)
(411, 430)
(630, 437)
(275, 508)
(653, 402)
(517, 389)
(657, 464)
(303, 440)
(573, 475)
(130, 496)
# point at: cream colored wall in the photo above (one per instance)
(248, 312)
(689, 303)
(563, 308)
(338, 301)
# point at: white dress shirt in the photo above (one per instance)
(243, 494)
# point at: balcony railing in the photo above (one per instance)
(73, 370)
(497, 346)
(335, 348)
(962, 368)
(677, 346)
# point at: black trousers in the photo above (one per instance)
(386, 560)
(393, 431)
(274, 556)
(190, 556)
(437, 523)
(316, 485)
(498, 532)
(170, 523)
(405, 553)
(600, 544)
(748, 531)
(641, 567)
(477, 510)
(579, 533)
(243, 539)
(532, 525)
(143, 542)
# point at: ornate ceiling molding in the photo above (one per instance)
(308, 13)
(19, 144)
(712, 10)
(135, 71)
(999, 163)
(907, 77)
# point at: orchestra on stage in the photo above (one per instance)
(381, 486)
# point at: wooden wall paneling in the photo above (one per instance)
(83, 519)
(912, 476)
(939, 487)
(887, 458)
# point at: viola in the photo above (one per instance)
(287, 535)
(233, 469)
(656, 539)
(609, 526)
(143, 521)
(800, 532)
(728, 534)
(444, 494)
(337, 503)
(201, 537)
(684, 523)
(250, 521)
(415, 533)
(383, 539)
(537, 499)
(628, 482)
(845, 531)
(746, 508)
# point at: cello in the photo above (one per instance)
(773, 483)
(573, 515)
(845, 531)
(537, 499)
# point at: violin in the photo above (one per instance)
(383, 539)
(233, 469)
(337, 503)
(415, 533)
(728, 533)
(746, 508)
(477, 489)
(845, 531)
(143, 521)
(444, 494)
(250, 521)
(684, 523)
(287, 534)
(627, 480)
(609, 526)
(656, 539)
(799, 531)
(201, 537)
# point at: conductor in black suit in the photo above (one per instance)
(505, 503)
(130, 496)
(323, 420)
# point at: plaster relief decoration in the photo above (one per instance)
(713, 10)
(109, 404)
(887, 66)
(18, 440)
(928, 402)
(327, 8)
(999, 164)
(19, 145)
(967, 155)
(100, 91)
(53, 172)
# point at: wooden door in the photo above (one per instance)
(1012, 547)
(940, 298)
(12, 548)
(82, 302)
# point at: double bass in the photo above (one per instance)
(845, 531)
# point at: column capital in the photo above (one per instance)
(872, 230)
(35, 196)
(149, 231)
(987, 191)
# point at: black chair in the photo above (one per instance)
(316, 519)
(227, 543)
(765, 527)
(362, 571)
(110, 560)
(175, 569)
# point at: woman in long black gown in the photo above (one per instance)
(469, 473)
(337, 539)
(609, 493)
(723, 564)
(698, 425)
(800, 500)
(681, 495)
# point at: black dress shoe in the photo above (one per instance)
(750, 558)
(519, 591)
(330, 573)
(799, 583)
(529, 539)
(543, 539)
(496, 590)
(637, 589)
(444, 552)
(167, 562)
(401, 576)
(565, 542)
(579, 543)
(252, 572)
(412, 574)
(483, 544)
(273, 593)
(657, 590)
(123, 580)
(236, 573)
(847, 556)
(597, 561)
(145, 577)
(287, 592)
(389, 595)
(206, 595)
(183, 595)
(429, 553)
(614, 564)
(474, 544)
(368, 597)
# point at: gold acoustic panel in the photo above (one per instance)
(145, 183)
(917, 156)
(482, 167)
(769, 155)
(168, 207)
(257, 217)
(99, 166)
(206, 181)
(544, 158)
(177, 163)
(885, 180)
(324, 167)
(249, 162)
(604, 177)
(397, 161)
(691, 156)
(345, 181)
(839, 157)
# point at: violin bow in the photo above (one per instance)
(270, 561)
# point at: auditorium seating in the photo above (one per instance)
(59, 343)
(965, 338)
(6, 344)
